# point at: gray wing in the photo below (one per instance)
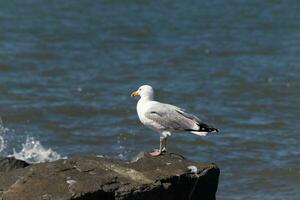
(172, 118)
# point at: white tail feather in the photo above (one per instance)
(199, 133)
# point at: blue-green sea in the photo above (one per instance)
(67, 69)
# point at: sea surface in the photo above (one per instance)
(67, 69)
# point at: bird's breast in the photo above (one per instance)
(142, 108)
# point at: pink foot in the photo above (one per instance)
(155, 153)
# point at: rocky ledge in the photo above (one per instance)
(169, 176)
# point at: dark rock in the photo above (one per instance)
(91, 178)
(8, 164)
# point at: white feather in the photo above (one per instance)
(199, 133)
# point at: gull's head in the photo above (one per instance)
(145, 91)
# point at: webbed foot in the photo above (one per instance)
(156, 152)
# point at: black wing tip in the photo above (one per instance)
(214, 130)
(205, 129)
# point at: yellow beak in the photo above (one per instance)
(134, 93)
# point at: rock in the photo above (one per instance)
(8, 164)
(169, 176)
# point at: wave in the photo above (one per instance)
(1, 144)
(2, 132)
(32, 150)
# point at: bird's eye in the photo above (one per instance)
(139, 89)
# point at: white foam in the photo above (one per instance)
(2, 132)
(2, 144)
(33, 152)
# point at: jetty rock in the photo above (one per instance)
(10, 163)
(169, 176)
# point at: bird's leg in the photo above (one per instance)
(164, 149)
(158, 152)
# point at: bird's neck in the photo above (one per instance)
(141, 105)
(147, 98)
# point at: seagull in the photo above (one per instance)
(166, 118)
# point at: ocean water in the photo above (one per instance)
(67, 69)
